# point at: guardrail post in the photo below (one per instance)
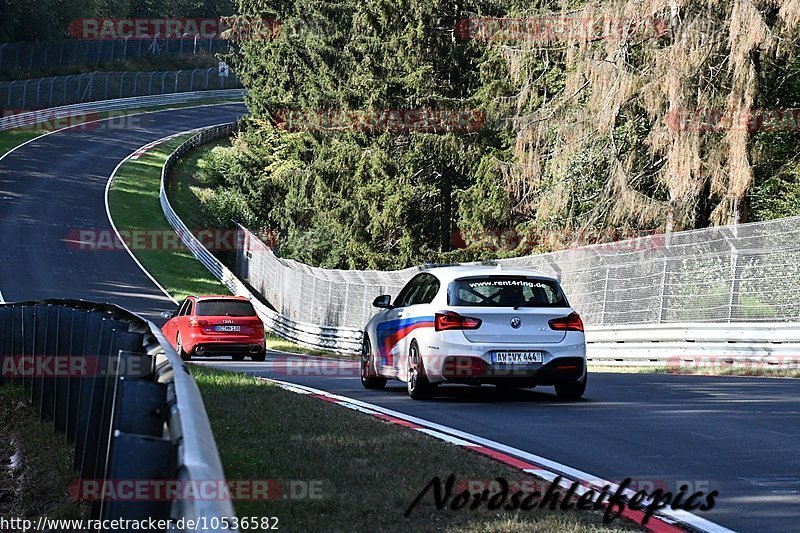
(138, 457)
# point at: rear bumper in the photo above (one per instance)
(204, 344)
(472, 370)
(453, 360)
(226, 348)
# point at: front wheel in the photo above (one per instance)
(419, 388)
(571, 391)
(369, 377)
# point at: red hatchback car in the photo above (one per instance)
(215, 325)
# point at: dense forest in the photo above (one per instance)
(589, 121)
(23, 20)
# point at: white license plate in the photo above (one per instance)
(517, 358)
(227, 328)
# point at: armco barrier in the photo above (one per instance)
(769, 344)
(775, 345)
(112, 384)
(67, 111)
(342, 340)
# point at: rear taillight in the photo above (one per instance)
(572, 322)
(195, 323)
(452, 320)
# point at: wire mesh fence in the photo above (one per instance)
(749, 272)
(92, 86)
(42, 55)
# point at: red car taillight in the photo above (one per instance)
(195, 323)
(572, 322)
(452, 320)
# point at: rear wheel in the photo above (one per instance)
(260, 356)
(369, 377)
(238, 357)
(184, 355)
(571, 391)
(419, 388)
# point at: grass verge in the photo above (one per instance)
(36, 466)
(134, 205)
(368, 472)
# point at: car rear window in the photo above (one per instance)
(505, 291)
(224, 308)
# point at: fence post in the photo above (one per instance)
(163, 79)
(39, 90)
(733, 300)
(52, 86)
(662, 315)
(605, 297)
(25, 93)
(122, 83)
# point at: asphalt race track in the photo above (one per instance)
(54, 186)
(740, 436)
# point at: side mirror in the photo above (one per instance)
(168, 314)
(384, 301)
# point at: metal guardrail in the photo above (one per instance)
(111, 383)
(775, 345)
(769, 344)
(67, 111)
(336, 339)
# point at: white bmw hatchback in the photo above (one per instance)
(476, 325)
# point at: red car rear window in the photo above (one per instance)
(224, 308)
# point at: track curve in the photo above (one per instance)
(54, 186)
(740, 436)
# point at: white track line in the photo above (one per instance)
(459, 437)
(138, 153)
(111, 220)
(3, 156)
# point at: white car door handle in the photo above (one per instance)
(399, 314)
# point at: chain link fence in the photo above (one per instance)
(92, 86)
(41, 55)
(749, 272)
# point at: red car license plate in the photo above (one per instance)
(227, 328)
